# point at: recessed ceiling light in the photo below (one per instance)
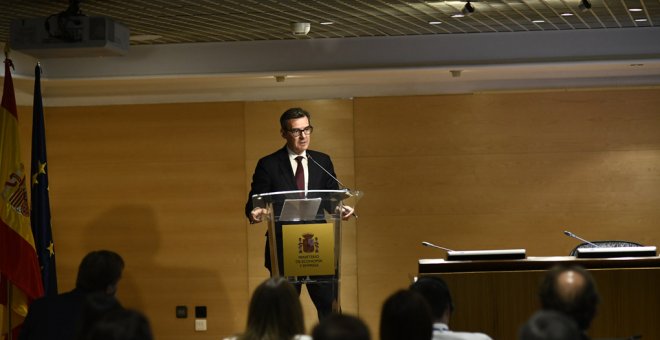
(635, 9)
(435, 22)
(538, 21)
(326, 23)
(457, 16)
(567, 14)
(640, 20)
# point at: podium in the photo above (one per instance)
(496, 297)
(304, 235)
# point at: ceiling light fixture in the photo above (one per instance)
(538, 21)
(300, 28)
(634, 9)
(640, 20)
(469, 9)
(435, 22)
(567, 14)
(584, 5)
(458, 15)
(326, 22)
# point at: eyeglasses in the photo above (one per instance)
(296, 132)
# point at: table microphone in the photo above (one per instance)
(570, 234)
(429, 244)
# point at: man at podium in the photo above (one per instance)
(294, 167)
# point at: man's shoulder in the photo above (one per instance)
(283, 154)
(318, 156)
(315, 153)
(74, 295)
(271, 160)
(277, 153)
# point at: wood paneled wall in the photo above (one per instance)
(506, 170)
(165, 186)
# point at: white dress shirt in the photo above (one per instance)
(442, 332)
(294, 164)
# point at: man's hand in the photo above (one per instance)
(346, 212)
(257, 215)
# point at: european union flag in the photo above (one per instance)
(40, 214)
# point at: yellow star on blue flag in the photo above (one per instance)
(40, 214)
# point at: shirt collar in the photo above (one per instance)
(293, 155)
(439, 326)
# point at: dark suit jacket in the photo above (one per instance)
(54, 317)
(274, 173)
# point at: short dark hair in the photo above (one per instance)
(406, 316)
(98, 270)
(341, 327)
(293, 113)
(436, 292)
(549, 325)
(579, 305)
(121, 324)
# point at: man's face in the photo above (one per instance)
(300, 143)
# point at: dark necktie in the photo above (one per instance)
(300, 174)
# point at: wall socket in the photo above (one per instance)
(200, 325)
(181, 312)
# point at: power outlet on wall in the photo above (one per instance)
(200, 325)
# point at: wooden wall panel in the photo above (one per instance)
(506, 170)
(163, 186)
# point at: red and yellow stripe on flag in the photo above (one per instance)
(19, 265)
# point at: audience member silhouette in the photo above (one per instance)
(121, 324)
(274, 313)
(549, 325)
(96, 306)
(571, 290)
(406, 316)
(58, 317)
(341, 327)
(436, 292)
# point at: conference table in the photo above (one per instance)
(497, 296)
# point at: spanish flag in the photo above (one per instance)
(20, 277)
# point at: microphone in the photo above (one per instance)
(327, 172)
(351, 192)
(429, 244)
(570, 234)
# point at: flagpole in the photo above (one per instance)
(9, 312)
(8, 309)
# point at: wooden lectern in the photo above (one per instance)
(496, 297)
